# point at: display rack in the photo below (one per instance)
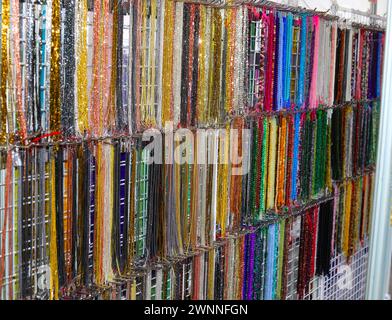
(148, 281)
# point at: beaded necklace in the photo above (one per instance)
(135, 73)
(203, 63)
(236, 180)
(148, 108)
(186, 58)
(340, 66)
(223, 177)
(81, 66)
(332, 65)
(361, 39)
(70, 221)
(115, 99)
(256, 56)
(313, 152)
(366, 66)
(193, 66)
(296, 152)
(211, 275)
(324, 243)
(336, 139)
(121, 222)
(68, 65)
(98, 218)
(215, 66)
(320, 157)
(116, 209)
(328, 173)
(280, 258)
(54, 281)
(308, 60)
(269, 87)
(253, 174)
(172, 227)
(365, 137)
(18, 78)
(220, 278)
(231, 29)
(195, 278)
(55, 68)
(288, 63)
(168, 62)
(264, 166)
(42, 231)
(227, 270)
(305, 155)
(240, 66)
(259, 174)
(271, 263)
(322, 76)
(315, 56)
(355, 63)
(263, 57)
(177, 60)
(103, 217)
(215, 155)
(247, 180)
(96, 89)
(347, 66)
(358, 116)
(155, 225)
(272, 155)
(307, 253)
(295, 62)
(339, 233)
(257, 277)
(281, 164)
(280, 61)
(59, 189)
(83, 213)
(302, 64)
(251, 263)
(348, 117)
(347, 213)
(191, 217)
(240, 266)
(4, 69)
(289, 161)
(355, 217)
(373, 66)
(378, 75)
(354, 59)
(285, 258)
(33, 116)
(368, 210)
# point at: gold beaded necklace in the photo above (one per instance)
(4, 70)
(167, 66)
(81, 67)
(54, 281)
(55, 104)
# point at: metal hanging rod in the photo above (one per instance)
(359, 18)
(331, 14)
(360, 13)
